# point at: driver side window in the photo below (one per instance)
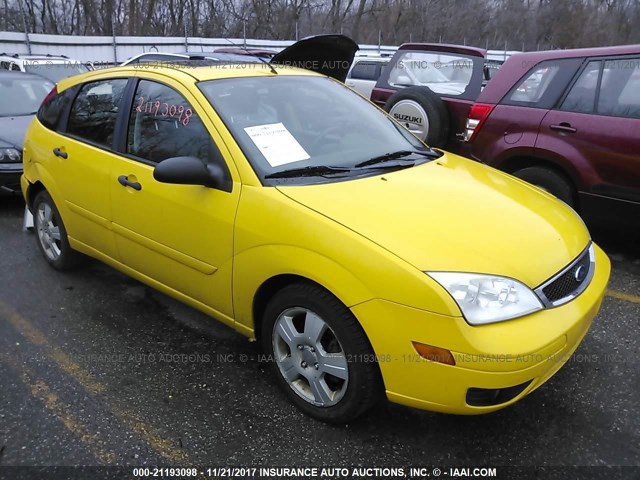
(162, 124)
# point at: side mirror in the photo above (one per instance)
(191, 171)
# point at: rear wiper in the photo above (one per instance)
(398, 155)
(310, 171)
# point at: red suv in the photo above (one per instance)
(567, 121)
(429, 88)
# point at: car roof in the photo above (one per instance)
(12, 74)
(188, 71)
(257, 52)
(178, 56)
(519, 64)
(43, 56)
(534, 57)
(444, 47)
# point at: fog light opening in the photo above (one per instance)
(488, 397)
(434, 354)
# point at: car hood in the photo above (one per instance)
(453, 214)
(13, 129)
(329, 55)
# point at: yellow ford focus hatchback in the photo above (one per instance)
(286, 206)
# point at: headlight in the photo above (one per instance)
(10, 155)
(488, 298)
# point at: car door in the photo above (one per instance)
(597, 129)
(80, 160)
(180, 236)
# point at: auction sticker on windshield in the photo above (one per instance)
(277, 144)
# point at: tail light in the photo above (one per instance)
(477, 115)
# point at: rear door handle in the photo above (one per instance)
(59, 153)
(564, 127)
(124, 181)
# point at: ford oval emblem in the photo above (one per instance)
(581, 274)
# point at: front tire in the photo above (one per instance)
(51, 234)
(321, 357)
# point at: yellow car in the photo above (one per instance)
(286, 206)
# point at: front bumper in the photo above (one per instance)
(10, 177)
(525, 351)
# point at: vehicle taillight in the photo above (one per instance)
(477, 115)
(50, 96)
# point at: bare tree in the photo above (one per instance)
(516, 24)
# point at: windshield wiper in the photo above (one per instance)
(310, 171)
(398, 156)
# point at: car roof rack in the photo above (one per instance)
(31, 55)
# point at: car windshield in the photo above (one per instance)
(445, 74)
(285, 123)
(54, 71)
(22, 96)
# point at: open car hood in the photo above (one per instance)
(329, 55)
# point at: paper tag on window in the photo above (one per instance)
(277, 144)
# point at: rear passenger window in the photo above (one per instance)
(164, 125)
(94, 111)
(582, 96)
(365, 71)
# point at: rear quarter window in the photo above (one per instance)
(543, 85)
(50, 113)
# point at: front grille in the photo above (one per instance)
(570, 282)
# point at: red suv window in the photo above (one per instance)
(543, 85)
(582, 96)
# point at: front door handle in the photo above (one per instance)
(124, 181)
(60, 153)
(564, 127)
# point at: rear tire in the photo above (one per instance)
(421, 111)
(51, 234)
(320, 355)
(549, 181)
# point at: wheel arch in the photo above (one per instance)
(566, 170)
(268, 289)
(261, 271)
(33, 190)
(516, 163)
(40, 179)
